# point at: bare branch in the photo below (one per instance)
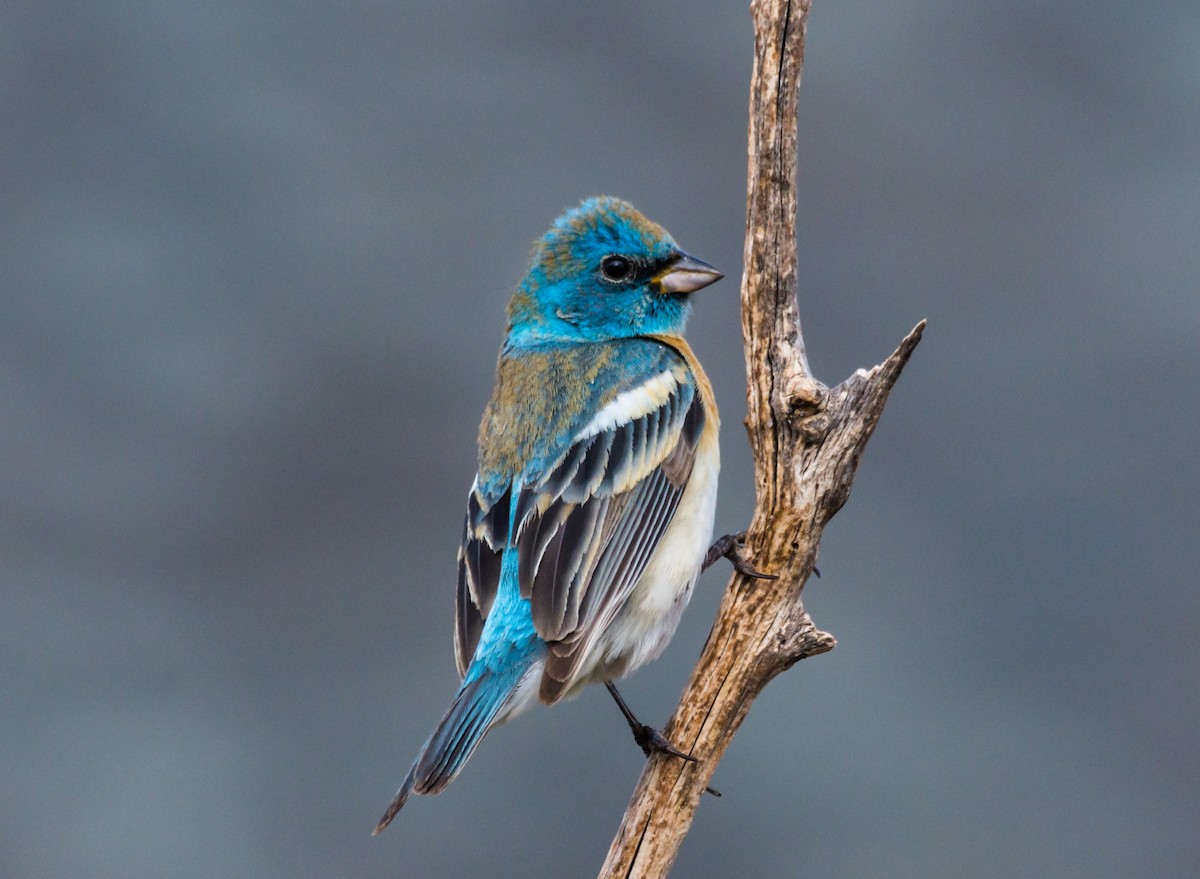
(806, 440)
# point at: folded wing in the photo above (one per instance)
(585, 527)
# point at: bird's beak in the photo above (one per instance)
(686, 274)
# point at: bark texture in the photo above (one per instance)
(806, 440)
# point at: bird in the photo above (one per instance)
(591, 515)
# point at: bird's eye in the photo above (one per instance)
(616, 268)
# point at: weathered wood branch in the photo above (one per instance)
(806, 440)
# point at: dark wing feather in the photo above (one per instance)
(565, 558)
(485, 534)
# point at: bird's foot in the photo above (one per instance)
(649, 739)
(731, 546)
(652, 741)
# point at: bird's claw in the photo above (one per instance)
(648, 738)
(731, 546)
(652, 741)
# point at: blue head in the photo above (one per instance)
(603, 271)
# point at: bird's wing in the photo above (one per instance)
(584, 526)
(485, 535)
(585, 553)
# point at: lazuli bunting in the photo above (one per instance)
(592, 511)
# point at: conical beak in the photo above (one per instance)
(686, 274)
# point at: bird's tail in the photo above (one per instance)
(473, 712)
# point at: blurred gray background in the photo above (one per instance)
(255, 257)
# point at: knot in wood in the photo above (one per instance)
(805, 404)
(815, 427)
(803, 396)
